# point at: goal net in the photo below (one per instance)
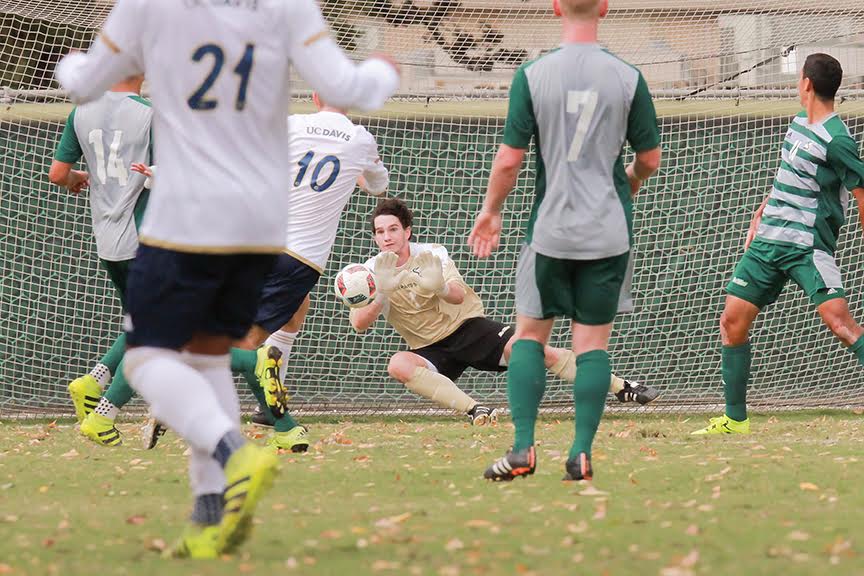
(723, 75)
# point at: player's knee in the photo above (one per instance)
(400, 367)
(733, 329)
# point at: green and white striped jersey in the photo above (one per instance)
(808, 202)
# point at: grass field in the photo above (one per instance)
(408, 498)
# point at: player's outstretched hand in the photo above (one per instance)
(486, 233)
(431, 272)
(387, 279)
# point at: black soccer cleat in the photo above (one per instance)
(153, 431)
(512, 465)
(482, 415)
(636, 392)
(261, 418)
(578, 468)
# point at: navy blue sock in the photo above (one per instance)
(230, 442)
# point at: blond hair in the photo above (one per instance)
(581, 9)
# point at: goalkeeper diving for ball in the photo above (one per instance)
(422, 295)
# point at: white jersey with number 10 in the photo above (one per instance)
(218, 76)
(328, 153)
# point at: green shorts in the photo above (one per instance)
(118, 272)
(765, 268)
(586, 291)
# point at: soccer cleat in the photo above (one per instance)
(197, 541)
(100, 429)
(636, 392)
(482, 415)
(260, 418)
(267, 371)
(295, 440)
(512, 465)
(724, 425)
(578, 468)
(85, 392)
(249, 473)
(152, 431)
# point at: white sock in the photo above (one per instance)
(217, 371)
(206, 476)
(284, 341)
(179, 396)
(616, 384)
(102, 374)
(107, 409)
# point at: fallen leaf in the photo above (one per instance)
(582, 526)
(599, 509)
(5, 568)
(331, 534)
(291, 563)
(47, 542)
(454, 544)
(73, 453)
(136, 520)
(808, 486)
(478, 523)
(798, 536)
(692, 530)
(380, 565)
(157, 545)
(246, 568)
(43, 489)
(391, 521)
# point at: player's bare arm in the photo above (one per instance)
(644, 165)
(754, 223)
(62, 174)
(486, 233)
(859, 197)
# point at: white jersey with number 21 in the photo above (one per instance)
(328, 153)
(218, 76)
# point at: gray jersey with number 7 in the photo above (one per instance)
(580, 104)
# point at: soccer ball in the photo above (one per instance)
(355, 285)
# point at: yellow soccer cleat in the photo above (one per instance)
(249, 474)
(197, 541)
(85, 392)
(100, 429)
(267, 371)
(724, 425)
(295, 440)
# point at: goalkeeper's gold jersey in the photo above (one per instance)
(421, 317)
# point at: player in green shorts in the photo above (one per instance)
(579, 104)
(793, 235)
(111, 133)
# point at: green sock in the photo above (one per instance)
(858, 349)
(115, 354)
(526, 383)
(244, 361)
(736, 374)
(589, 397)
(119, 392)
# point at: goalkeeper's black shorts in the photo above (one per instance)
(478, 343)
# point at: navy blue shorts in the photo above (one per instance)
(289, 282)
(171, 295)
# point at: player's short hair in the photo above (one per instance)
(825, 73)
(393, 207)
(583, 9)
